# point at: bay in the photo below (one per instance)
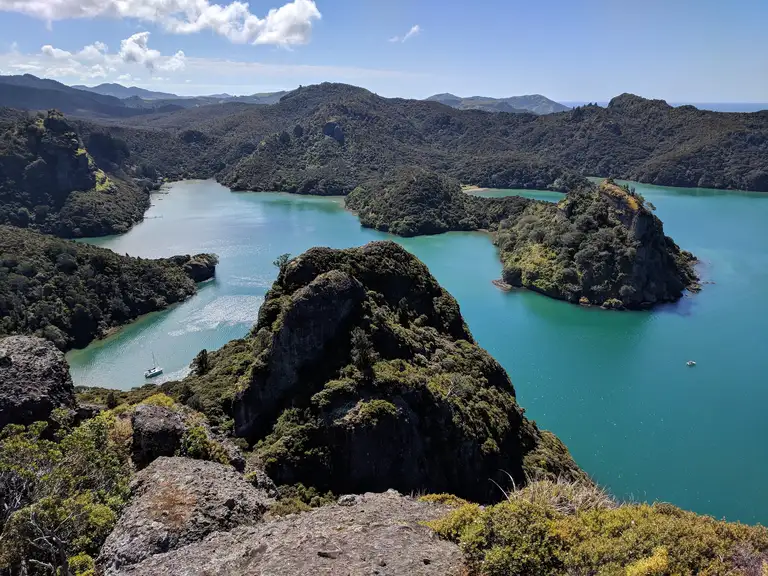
(613, 386)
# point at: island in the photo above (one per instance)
(600, 245)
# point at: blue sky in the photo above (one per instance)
(590, 50)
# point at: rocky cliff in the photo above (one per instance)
(360, 374)
(49, 181)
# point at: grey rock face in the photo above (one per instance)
(34, 380)
(176, 502)
(157, 431)
(378, 534)
(317, 315)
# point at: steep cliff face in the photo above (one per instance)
(600, 245)
(49, 181)
(362, 375)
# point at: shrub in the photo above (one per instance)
(159, 399)
(197, 444)
(538, 531)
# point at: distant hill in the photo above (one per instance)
(29, 92)
(535, 103)
(330, 138)
(120, 91)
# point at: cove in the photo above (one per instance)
(613, 386)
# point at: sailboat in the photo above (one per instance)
(155, 370)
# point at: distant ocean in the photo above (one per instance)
(716, 106)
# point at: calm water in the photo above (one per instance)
(614, 386)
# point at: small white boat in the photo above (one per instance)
(690, 363)
(155, 370)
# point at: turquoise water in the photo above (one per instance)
(612, 385)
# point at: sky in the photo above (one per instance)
(568, 50)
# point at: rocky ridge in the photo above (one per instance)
(361, 375)
(364, 535)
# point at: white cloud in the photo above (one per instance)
(414, 31)
(287, 25)
(136, 50)
(183, 74)
(95, 61)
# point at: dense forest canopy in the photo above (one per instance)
(52, 182)
(71, 293)
(330, 138)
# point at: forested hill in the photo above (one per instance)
(50, 180)
(71, 293)
(329, 138)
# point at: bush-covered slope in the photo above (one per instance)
(71, 293)
(361, 375)
(49, 181)
(331, 138)
(560, 528)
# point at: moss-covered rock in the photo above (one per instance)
(362, 375)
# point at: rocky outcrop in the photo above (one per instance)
(335, 131)
(175, 502)
(200, 267)
(34, 380)
(367, 535)
(316, 317)
(157, 431)
(599, 245)
(360, 375)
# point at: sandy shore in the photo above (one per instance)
(469, 189)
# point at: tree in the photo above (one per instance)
(362, 353)
(281, 262)
(112, 400)
(200, 364)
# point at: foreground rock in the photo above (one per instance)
(175, 502)
(157, 431)
(34, 380)
(163, 431)
(361, 375)
(372, 534)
